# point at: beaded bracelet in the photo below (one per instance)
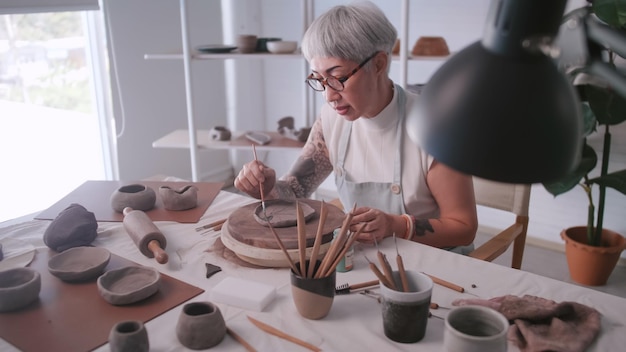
(410, 226)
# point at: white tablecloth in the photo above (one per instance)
(354, 322)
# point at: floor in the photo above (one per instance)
(551, 263)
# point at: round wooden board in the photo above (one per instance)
(242, 227)
(273, 258)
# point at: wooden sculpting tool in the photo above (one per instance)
(400, 263)
(318, 240)
(260, 186)
(213, 225)
(342, 252)
(282, 247)
(272, 330)
(382, 259)
(147, 237)
(301, 239)
(239, 339)
(445, 283)
(377, 272)
(335, 246)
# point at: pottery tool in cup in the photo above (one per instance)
(261, 188)
(147, 237)
(400, 263)
(382, 259)
(318, 239)
(301, 240)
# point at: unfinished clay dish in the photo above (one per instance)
(136, 196)
(282, 213)
(129, 284)
(79, 263)
(18, 288)
(179, 199)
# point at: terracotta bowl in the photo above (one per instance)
(18, 288)
(79, 263)
(430, 46)
(129, 284)
(282, 46)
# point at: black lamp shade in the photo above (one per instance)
(500, 112)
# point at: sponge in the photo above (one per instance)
(243, 293)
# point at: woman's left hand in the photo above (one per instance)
(378, 225)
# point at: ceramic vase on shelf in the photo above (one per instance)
(591, 265)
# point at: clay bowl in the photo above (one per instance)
(430, 46)
(18, 288)
(79, 263)
(129, 284)
(282, 46)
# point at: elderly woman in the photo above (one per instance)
(360, 135)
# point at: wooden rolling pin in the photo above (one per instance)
(150, 241)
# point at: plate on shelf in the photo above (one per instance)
(216, 48)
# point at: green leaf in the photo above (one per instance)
(588, 161)
(615, 180)
(613, 12)
(607, 106)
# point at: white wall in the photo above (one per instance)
(154, 102)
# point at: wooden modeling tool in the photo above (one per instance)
(445, 283)
(282, 247)
(301, 239)
(400, 263)
(273, 331)
(382, 259)
(260, 187)
(318, 240)
(147, 237)
(377, 272)
(345, 288)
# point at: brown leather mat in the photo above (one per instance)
(95, 196)
(74, 317)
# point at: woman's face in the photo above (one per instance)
(358, 96)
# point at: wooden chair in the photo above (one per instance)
(504, 197)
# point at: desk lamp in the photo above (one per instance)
(501, 108)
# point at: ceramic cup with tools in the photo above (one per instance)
(475, 329)
(312, 297)
(405, 314)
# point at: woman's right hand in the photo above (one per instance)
(254, 174)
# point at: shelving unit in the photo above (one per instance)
(195, 140)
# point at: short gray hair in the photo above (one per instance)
(350, 32)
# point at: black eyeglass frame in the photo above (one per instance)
(310, 81)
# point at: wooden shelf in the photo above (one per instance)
(179, 139)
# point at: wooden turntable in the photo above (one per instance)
(254, 243)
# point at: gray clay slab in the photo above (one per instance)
(282, 213)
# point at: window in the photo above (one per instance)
(53, 101)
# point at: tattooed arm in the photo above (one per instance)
(308, 171)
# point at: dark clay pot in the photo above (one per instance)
(200, 325)
(129, 336)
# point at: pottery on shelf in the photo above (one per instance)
(129, 284)
(200, 325)
(79, 263)
(129, 336)
(220, 133)
(183, 198)
(18, 288)
(136, 196)
(246, 43)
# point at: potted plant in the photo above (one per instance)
(602, 108)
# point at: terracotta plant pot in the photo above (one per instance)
(589, 265)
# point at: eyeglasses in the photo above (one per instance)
(336, 83)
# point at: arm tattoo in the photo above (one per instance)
(309, 170)
(421, 226)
